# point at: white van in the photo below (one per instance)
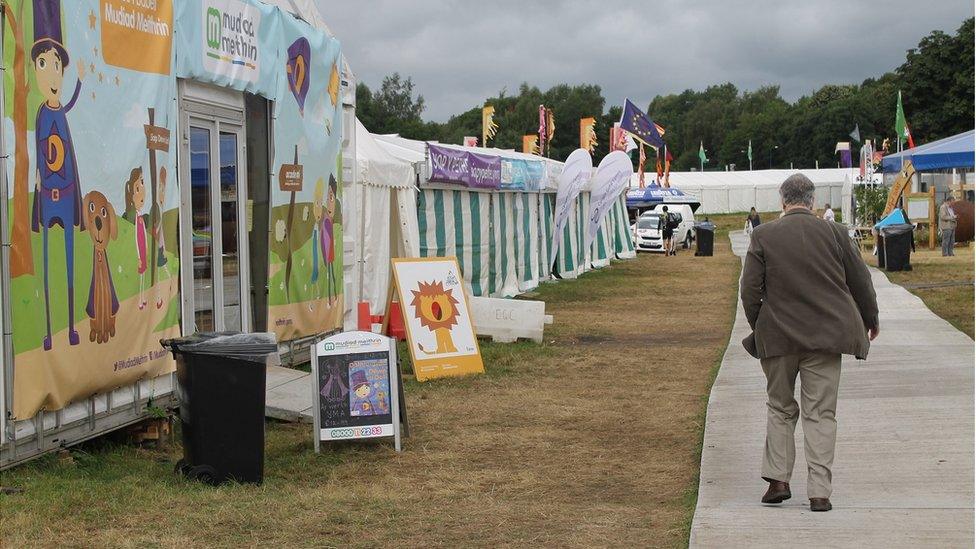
(646, 235)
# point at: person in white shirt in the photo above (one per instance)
(828, 213)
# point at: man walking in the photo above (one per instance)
(947, 226)
(809, 299)
(667, 224)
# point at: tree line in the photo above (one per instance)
(936, 81)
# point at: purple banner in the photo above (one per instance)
(486, 171)
(449, 165)
(457, 167)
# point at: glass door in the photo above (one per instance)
(218, 247)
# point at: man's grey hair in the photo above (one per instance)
(797, 190)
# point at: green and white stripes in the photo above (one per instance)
(502, 239)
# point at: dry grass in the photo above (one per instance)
(953, 303)
(590, 439)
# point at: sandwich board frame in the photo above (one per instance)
(372, 360)
(438, 283)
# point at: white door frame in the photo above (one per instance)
(217, 110)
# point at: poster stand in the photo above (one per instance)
(357, 389)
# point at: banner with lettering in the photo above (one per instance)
(454, 166)
(575, 174)
(611, 179)
(305, 287)
(89, 122)
(230, 43)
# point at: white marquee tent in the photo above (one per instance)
(731, 192)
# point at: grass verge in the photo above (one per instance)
(590, 438)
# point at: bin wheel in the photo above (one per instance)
(181, 467)
(203, 473)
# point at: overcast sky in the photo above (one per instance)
(458, 53)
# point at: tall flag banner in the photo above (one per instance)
(488, 126)
(620, 140)
(749, 154)
(470, 141)
(530, 144)
(588, 133)
(640, 165)
(844, 148)
(658, 167)
(701, 154)
(908, 136)
(667, 166)
(550, 129)
(900, 121)
(856, 133)
(640, 126)
(543, 129)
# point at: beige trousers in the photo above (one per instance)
(819, 380)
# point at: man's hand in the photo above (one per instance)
(873, 332)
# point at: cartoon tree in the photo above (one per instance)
(21, 257)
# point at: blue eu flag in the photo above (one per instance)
(640, 126)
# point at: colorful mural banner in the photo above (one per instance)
(94, 269)
(230, 43)
(305, 286)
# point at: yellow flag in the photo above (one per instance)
(530, 144)
(488, 126)
(588, 133)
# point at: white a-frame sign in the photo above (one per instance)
(356, 385)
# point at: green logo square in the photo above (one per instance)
(214, 27)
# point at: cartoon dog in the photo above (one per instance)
(103, 303)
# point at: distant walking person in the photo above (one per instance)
(828, 213)
(752, 221)
(947, 226)
(667, 223)
(809, 299)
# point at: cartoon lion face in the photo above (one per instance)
(435, 307)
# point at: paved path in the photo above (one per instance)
(288, 395)
(903, 468)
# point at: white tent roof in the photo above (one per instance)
(377, 166)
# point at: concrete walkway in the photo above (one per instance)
(903, 468)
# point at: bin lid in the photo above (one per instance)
(252, 347)
(896, 229)
(705, 226)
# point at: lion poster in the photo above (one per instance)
(437, 318)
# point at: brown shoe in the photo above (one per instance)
(820, 505)
(778, 492)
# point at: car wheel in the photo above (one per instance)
(687, 243)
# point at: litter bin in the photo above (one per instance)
(895, 248)
(879, 244)
(704, 238)
(221, 385)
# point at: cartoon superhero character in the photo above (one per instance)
(57, 195)
(361, 402)
(324, 234)
(135, 200)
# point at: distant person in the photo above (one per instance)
(828, 213)
(947, 226)
(667, 223)
(752, 221)
(808, 297)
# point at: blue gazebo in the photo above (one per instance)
(639, 199)
(945, 154)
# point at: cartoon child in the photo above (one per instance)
(325, 229)
(157, 230)
(57, 196)
(361, 404)
(135, 200)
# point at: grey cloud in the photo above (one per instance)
(458, 53)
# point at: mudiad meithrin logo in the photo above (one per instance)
(231, 37)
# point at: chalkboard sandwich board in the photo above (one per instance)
(357, 388)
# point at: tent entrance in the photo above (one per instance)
(214, 250)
